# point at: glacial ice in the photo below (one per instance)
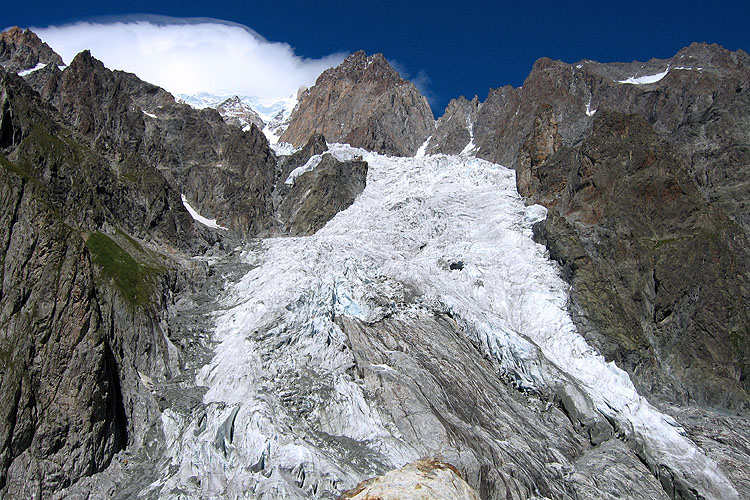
(276, 335)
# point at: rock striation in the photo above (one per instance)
(363, 102)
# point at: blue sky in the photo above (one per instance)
(449, 48)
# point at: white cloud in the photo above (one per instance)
(187, 56)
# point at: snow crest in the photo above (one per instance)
(646, 79)
(277, 337)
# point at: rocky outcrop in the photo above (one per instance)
(315, 196)
(424, 479)
(363, 102)
(82, 301)
(659, 275)
(23, 50)
(312, 186)
(454, 131)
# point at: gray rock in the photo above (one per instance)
(659, 275)
(316, 196)
(82, 303)
(455, 129)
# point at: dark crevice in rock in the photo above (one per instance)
(115, 405)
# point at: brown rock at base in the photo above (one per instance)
(426, 479)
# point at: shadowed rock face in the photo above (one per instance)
(318, 195)
(225, 173)
(82, 301)
(454, 130)
(659, 275)
(365, 103)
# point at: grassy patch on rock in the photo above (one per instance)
(135, 280)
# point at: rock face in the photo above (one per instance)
(421, 480)
(82, 301)
(698, 100)
(454, 130)
(363, 102)
(225, 173)
(312, 186)
(313, 197)
(659, 275)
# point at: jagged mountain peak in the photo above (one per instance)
(360, 67)
(363, 102)
(23, 50)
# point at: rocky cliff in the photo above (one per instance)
(363, 102)
(82, 301)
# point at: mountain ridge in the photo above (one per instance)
(635, 202)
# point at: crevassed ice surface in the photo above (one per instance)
(276, 334)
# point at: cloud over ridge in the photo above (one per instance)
(187, 56)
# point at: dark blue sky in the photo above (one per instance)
(463, 48)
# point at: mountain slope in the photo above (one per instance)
(78, 295)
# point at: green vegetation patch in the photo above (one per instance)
(134, 280)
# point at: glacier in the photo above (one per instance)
(290, 408)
